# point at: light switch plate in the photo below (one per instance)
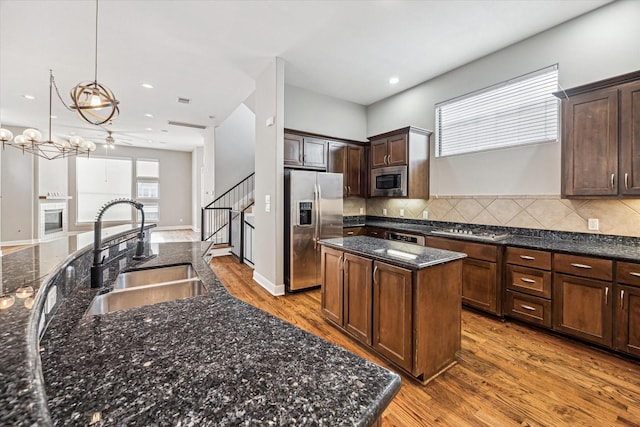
(384, 212)
(361, 211)
(594, 224)
(401, 212)
(425, 215)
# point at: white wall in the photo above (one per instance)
(305, 110)
(197, 173)
(269, 168)
(235, 142)
(208, 172)
(175, 184)
(601, 44)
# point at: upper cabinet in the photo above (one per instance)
(601, 138)
(349, 160)
(403, 147)
(389, 151)
(305, 151)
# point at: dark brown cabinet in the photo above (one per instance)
(404, 147)
(349, 160)
(389, 151)
(583, 298)
(600, 138)
(481, 273)
(380, 233)
(528, 284)
(305, 151)
(627, 308)
(332, 292)
(352, 231)
(347, 291)
(392, 313)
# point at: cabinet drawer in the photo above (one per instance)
(352, 231)
(380, 233)
(629, 273)
(528, 308)
(529, 281)
(529, 258)
(473, 250)
(576, 265)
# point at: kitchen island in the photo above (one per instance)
(207, 360)
(403, 301)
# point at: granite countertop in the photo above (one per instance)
(413, 257)
(621, 248)
(207, 360)
(31, 266)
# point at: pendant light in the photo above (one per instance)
(95, 103)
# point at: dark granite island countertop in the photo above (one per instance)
(407, 255)
(207, 360)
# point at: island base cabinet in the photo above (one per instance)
(392, 313)
(583, 308)
(357, 297)
(332, 293)
(628, 320)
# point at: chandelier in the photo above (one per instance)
(94, 102)
(31, 139)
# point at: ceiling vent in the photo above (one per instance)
(182, 100)
(187, 125)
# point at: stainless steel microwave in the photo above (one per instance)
(389, 182)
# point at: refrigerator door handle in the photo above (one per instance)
(318, 211)
(316, 232)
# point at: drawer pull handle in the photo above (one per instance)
(576, 265)
(527, 257)
(527, 307)
(525, 280)
(633, 273)
(622, 298)
(613, 180)
(626, 181)
(375, 270)
(606, 296)
(349, 233)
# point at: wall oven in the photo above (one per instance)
(389, 182)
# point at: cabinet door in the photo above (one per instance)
(583, 308)
(397, 150)
(315, 152)
(292, 149)
(357, 297)
(392, 313)
(479, 285)
(590, 144)
(628, 319)
(337, 158)
(355, 171)
(379, 153)
(332, 294)
(630, 139)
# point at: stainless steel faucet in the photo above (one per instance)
(98, 259)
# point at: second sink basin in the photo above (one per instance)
(145, 295)
(154, 275)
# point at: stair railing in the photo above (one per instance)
(216, 217)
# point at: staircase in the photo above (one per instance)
(227, 222)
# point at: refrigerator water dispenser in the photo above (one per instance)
(304, 212)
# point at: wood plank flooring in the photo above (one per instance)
(508, 374)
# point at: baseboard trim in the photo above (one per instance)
(273, 289)
(23, 242)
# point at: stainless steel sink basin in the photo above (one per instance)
(145, 295)
(132, 279)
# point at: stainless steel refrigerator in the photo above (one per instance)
(313, 211)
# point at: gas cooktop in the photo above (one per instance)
(476, 233)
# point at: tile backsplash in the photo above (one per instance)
(618, 217)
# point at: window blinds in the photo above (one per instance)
(513, 113)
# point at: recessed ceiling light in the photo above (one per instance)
(393, 80)
(148, 129)
(147, 86)
(148, 115)
(54, 117)
(29, 97)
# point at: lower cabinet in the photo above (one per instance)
(392, 323)
(583, 308)
(411, 318)
(627, 308)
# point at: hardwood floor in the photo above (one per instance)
(508, 374)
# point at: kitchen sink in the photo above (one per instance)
(155, 275)
(145, 295)
(395, 253)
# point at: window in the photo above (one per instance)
(148, 188)
(516, 112)
(98, 181)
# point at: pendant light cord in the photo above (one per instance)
(96, 61)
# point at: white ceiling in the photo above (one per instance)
(211, 52)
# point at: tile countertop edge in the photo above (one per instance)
(33, 325)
